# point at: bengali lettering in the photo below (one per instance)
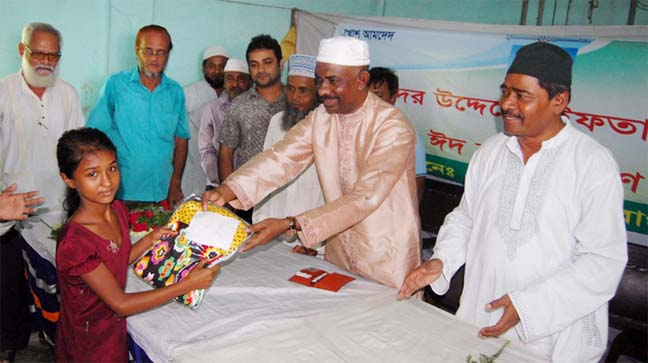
(417, 95)
(377, 35)
(633, 180)
(591, 121)
(440, 139)
(622, 126)
(355, 33)
(628, 127)
(441, 169)
(636, 217)
(461, 103)
(369, 34)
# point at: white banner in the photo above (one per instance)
(450, 75)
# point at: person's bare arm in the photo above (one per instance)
(225, 162)
(175, 194)
(103, 283)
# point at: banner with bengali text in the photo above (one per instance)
(450, 75)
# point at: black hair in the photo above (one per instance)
(263, 41)
(153, 27)
(554, 88)
(380, 75)
(70, 149)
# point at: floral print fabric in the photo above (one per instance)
(171, 258)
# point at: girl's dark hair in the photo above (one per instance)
(71, 148)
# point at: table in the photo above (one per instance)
(253, 313)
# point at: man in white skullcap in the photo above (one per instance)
(363, 150)
(237, 81)
(197, 95)
(304, 192)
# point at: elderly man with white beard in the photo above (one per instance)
(304, 192)
(35, 109)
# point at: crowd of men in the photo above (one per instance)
(329, 160)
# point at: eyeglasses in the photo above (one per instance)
(52, 57)
(148, 52)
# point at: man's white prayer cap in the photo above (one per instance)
(236, 65)
(215, 50)
(345, 51)
(301, 65)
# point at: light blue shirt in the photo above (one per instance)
(419, 157)
(142, 125)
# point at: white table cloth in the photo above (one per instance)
(253, 313)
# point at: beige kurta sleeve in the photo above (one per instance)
(384, 152)
(274, 167)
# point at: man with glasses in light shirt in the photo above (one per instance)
(143, 112)
(36, 107)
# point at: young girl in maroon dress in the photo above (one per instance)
(93, 254)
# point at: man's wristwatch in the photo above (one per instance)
(292, 227)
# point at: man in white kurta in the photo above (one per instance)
(363, 150)
(197, 96)
(35, 109)
(540, 225)
(30, 126)
(304, 192)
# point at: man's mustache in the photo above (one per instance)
(47, 68)
(512, 114)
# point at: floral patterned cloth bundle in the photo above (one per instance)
(215, 234)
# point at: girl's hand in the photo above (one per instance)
(158, 233)
(201, 276)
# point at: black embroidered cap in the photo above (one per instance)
(544, 61)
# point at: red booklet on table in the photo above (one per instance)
(314, 277)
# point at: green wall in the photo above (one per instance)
(99, 34)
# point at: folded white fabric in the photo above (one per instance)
(212, 229)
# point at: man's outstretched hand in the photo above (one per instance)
(508, 320)
(218, 196)
(420, 277)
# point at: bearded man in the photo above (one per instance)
(198, 95)
(143, 113)
(363, 150)
(304, 192)
(36, 107)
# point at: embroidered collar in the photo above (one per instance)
(514, 146)
(359, 113)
